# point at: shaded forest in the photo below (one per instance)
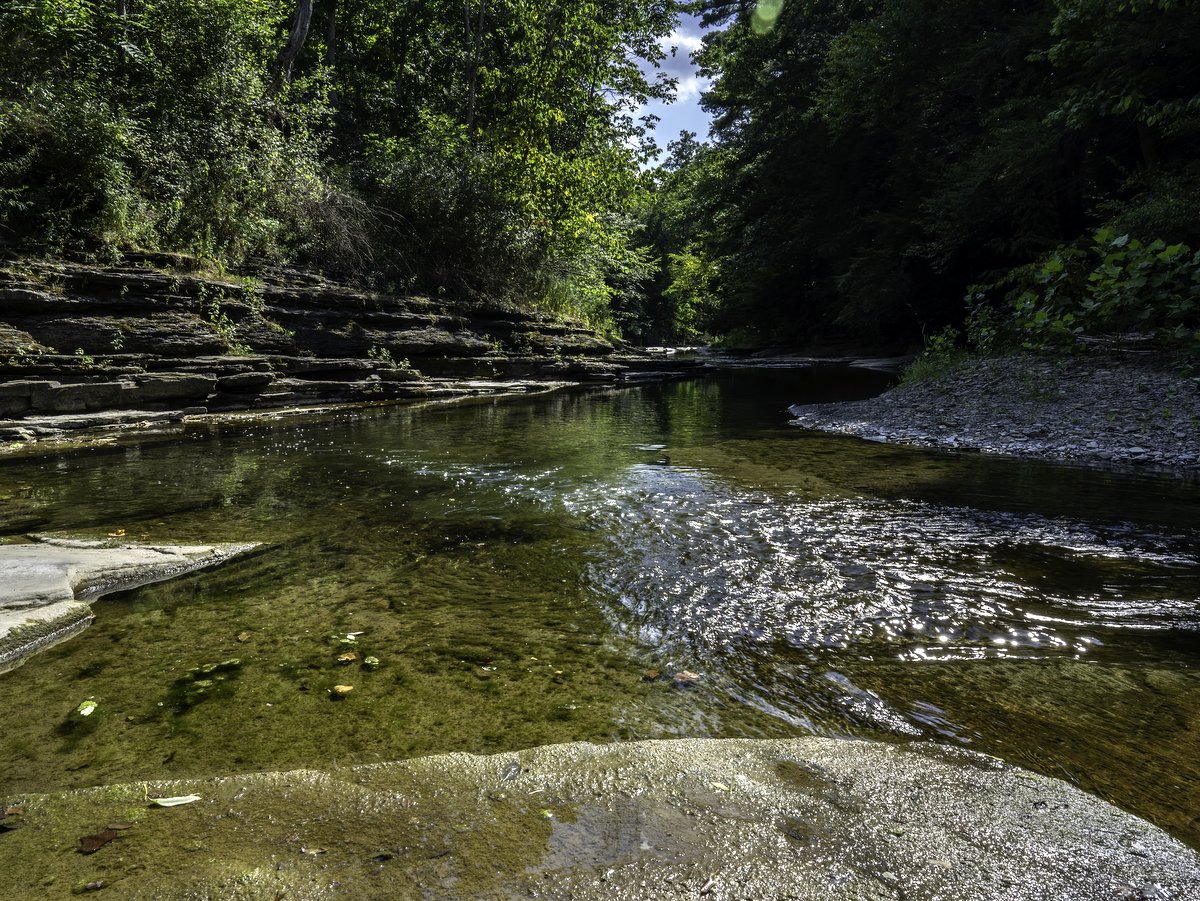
(1021, 173)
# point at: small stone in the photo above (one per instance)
(685, 678)
(338, 692)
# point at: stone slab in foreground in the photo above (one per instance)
(812, 819)
(45, 587)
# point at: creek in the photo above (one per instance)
(540, 570)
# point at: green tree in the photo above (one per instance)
(877, 158)
(471, 146)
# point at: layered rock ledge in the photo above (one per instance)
(811, 819)
(47, 586)
(85, 347)
(1108, 410)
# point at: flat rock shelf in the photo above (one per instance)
(809, 818)
(48, 584)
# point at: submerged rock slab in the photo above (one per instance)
(812, 819)
(46, 586)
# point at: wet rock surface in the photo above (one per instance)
(814, 819)
(47, 585)
(1107, 410)
(78, 339)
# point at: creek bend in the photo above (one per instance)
(517, 567)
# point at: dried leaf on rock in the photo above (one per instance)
(90, 844)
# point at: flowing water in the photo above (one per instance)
(523, 569)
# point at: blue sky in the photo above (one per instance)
(685, 113)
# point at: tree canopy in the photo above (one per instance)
(476, 146)
(873, 159)
(872, 163)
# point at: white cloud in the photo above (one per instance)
(690, 88)
(680, 42)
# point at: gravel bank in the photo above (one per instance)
(1096, 410)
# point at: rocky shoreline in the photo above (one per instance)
(1101, 410)
(151, 342)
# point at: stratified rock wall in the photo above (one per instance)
(88, 343)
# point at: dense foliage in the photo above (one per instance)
(477, 146)
(873, 160)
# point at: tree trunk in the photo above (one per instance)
(475, 40)
(331, 35)
(295, 42)
(120, 53)
(1148, 143)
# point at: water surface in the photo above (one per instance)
(518, 568)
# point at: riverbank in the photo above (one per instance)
(807, 818)
(154, 342)
(1101, 410)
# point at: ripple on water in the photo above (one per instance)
(742, 582)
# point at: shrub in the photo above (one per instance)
(1115, 285)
